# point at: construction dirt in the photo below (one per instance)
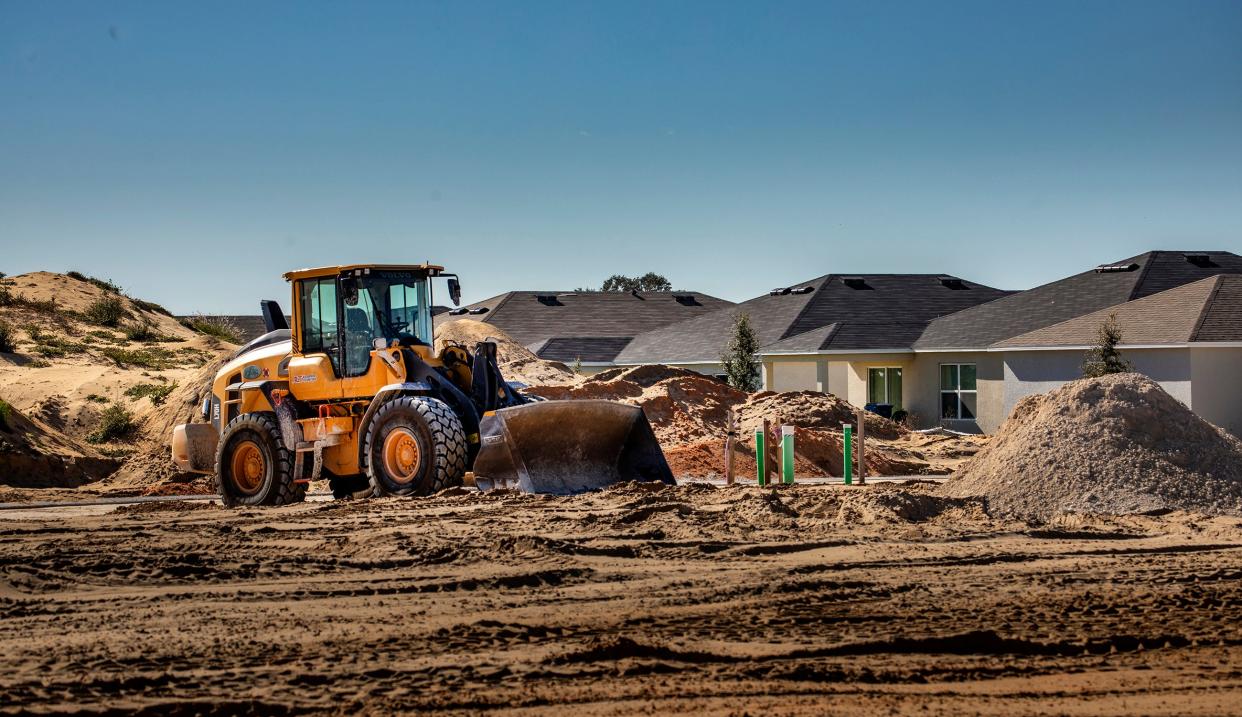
(1118, 444)
(689, 413)
(803, 600)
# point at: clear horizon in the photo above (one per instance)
(192, 153)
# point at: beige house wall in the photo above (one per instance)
(922, 390)
(1216, 391)
(795, 376)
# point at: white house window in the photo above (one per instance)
(884, 386)
(958, 395)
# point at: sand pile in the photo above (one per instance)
(33, 455)
(812, 409)
(517, 363)
(150, 468)
(1117, 444)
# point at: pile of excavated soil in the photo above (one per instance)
(34, 455)
(67, 371)
(812, 409)
(150, 467)
(1117, 444)
(688, 412)
(516, 362)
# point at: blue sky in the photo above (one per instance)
(194, 151)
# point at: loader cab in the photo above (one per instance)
(341, 314)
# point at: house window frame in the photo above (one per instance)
(958, 391)
(897, 405)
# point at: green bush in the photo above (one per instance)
(154, 357)
(141, 331)
(5, 412)
(48, 307)
(150, 306)
(114, 422)
(156, 392)
(218, 326)
(96, 398)
(107, 311)
(8, 338)
(6, 296)
(107, 286)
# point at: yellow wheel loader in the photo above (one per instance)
(354, 392)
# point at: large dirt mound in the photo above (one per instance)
(150, 468)
(33, 455)
(517, 363)
(1117, 444)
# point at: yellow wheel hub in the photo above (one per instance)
(401, 455)
(248, 467)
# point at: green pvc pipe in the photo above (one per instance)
(761, 456)
(847, 459)
(787, 453)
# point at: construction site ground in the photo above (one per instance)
(805, 599)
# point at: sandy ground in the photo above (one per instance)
(799, 600)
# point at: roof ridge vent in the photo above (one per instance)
(1116, 268)
(951, 282)
(548, 299)
(802, 289)
(1199, 259)
(686, 299)
(780, 291)
(855, 282)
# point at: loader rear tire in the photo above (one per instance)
(253, 467)
(414, 446)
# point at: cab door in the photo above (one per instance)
(314, 369)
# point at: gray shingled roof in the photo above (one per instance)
(586, 348)
(845, 312)
(595, 323)
(1065, 299)
(1206, 310)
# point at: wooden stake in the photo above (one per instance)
(862, 443)
(730, 436)
(769, 448)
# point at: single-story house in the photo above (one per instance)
(586, 328)
(1188, 339)
(958, 354)
(960, 380)
(861, 315)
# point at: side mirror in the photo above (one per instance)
(454, 287)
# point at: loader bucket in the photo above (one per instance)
(567, 447)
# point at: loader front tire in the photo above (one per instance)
(414, 446)
(253, 467)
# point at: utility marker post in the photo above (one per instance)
(847, 453)
(761, 453)
(862, 446)
(774, 440)
(787, 454)
(730, 435)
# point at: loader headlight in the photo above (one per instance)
(207, 406)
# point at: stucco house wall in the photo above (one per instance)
(1031, 372)
(1216, 393)
(922, 390)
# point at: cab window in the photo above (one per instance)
(319, 321)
